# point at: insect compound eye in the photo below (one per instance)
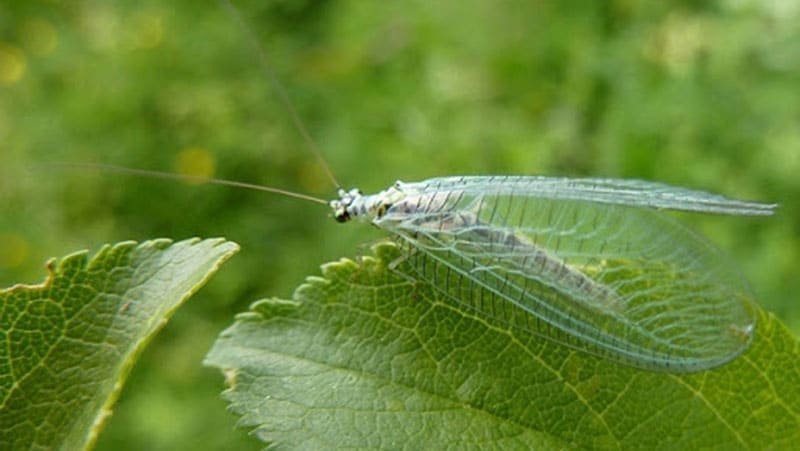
(342, 216)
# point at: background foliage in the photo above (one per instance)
(701, 94)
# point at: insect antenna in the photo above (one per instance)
(278, 88)
(183, 177)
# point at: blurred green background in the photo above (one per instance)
(700, 94)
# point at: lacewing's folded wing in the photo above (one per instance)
(589, 268)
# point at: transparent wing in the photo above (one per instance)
(629, 284)
(636, 193)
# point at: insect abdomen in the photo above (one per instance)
(440, 224)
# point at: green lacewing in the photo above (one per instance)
(589, 263)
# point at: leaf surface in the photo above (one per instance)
(362, 357)
(67, 345)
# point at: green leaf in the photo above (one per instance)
(67, 345)
(362, 357)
